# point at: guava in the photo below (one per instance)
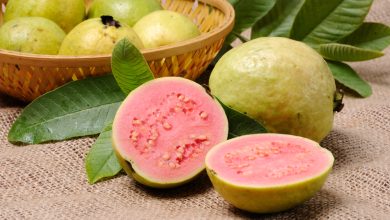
(125, 11)
(284, 84)
(97, 36)
(66, 14)
(165, 27)
(31, 35)
(163, 130)
(266, 173)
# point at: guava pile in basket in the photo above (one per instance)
(69, 28)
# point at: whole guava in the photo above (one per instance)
(31, 35)
(282, 83)
(165, 27)
(125, 11)
(97, 36)
(66, 14)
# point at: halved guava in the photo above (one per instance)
(267, 173)
(164, 129)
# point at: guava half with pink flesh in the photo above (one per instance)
(164, 129)
(267, 173)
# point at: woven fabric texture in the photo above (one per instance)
(48, 181)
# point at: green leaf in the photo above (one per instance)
(345, 75)
(370, 36)
(243, 39)
(241, 124)
(342, 52)
(233, 2)
(129, 67)
(320, 21)
(248, 12)
(278, 22)
(101, 161)
(79, 108)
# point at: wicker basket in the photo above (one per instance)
(27, 76)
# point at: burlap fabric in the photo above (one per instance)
(48, 181)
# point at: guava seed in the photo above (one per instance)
(167, 126)
(203, 115)
(166, 156)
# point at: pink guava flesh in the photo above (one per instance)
(268, 160)
(165, 128)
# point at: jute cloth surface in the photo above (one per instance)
(48, 181)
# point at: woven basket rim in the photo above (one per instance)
(150, 54)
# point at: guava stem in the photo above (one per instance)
(338, 104)
(109, 21)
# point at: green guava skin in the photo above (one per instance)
(31, 35)
(132, 172)
(267, 199)
(165, 27)
(66, 14)
(272, 198)
(125, 11)
(282, 83)
(92, 37)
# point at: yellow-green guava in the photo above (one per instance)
(97, 36)
(31, 35)
(165, 27)
(66, 14)
(125, 11)
(282, 83)
(266, 173)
